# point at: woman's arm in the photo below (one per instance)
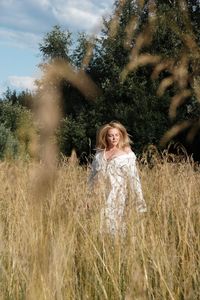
(93, 172)
(135, 186)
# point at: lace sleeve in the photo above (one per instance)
(93, 172)
(135, 186)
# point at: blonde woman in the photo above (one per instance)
(114, 171)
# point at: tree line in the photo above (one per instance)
(145, 63)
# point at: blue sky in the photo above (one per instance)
(23, 24)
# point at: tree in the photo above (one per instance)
(134, 101)
(16, 130)
(56, 44)
(24, 98)
(139, 49)
(56, 47)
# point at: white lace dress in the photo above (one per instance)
(119, 181)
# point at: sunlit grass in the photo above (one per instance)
(52, 248)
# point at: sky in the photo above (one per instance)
(23, 24)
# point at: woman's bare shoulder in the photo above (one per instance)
(99, 153)
(98, 150)
(128, 149)
(130, 152)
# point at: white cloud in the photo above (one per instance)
(22, 82)
(19, 39)
(82, 15)
(41, 3)
(84, 20)
(24, 22)
(40, 15)
(6, 3)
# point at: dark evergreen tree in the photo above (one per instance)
(16, 127)
(56, 44)
(133, 42)
(24, 98)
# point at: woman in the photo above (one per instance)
(114, 171)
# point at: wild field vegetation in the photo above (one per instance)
(51, 245)
(52, 248)
(141, 68)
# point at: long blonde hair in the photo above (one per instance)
(101, 139)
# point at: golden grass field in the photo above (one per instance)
(51, 246)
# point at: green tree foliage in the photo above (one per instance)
(119, 62)
(24, 98)
(56, 44)
(9, 145)
(79, 53)
(134, 61)
(16, 129)
(176, 39)
(133, 102)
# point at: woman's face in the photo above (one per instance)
(113, 137)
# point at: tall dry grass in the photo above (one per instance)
(52, 248)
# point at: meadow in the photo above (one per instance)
(51, 245)
(52, 248)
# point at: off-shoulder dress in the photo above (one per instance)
(119, 181)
